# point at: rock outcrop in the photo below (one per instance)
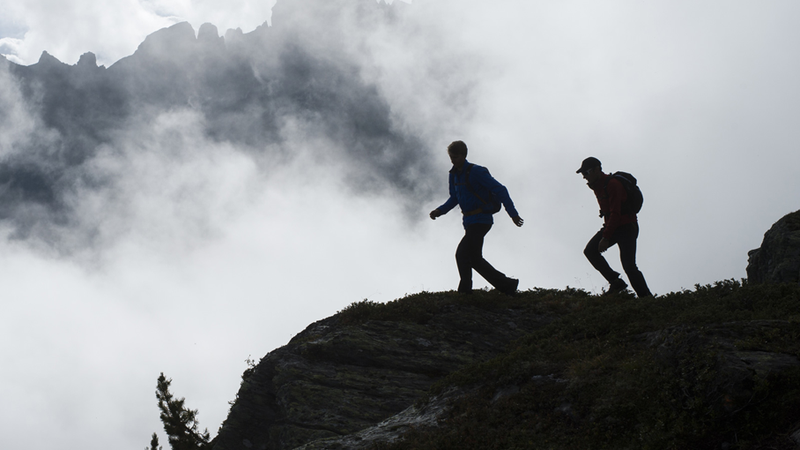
(778, 258)
(738, 371)
(334, 379)
(544, 369)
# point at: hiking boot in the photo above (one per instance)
(510, 287)
(616, 287)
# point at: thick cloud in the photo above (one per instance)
(238, 189)
(312, 83)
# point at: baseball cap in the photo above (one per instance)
(588, 163)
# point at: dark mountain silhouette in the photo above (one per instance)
(305, 76)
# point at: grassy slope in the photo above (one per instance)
(598, 375)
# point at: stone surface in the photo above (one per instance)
(426, 415)
(778, 258)
(738, 370)
(333, 381)
(337, 386)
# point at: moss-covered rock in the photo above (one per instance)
(366, 364)
(717, 367)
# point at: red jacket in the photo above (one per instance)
(610, 194)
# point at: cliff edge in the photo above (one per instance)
(778, 258)
(366, 364)
(715, 367)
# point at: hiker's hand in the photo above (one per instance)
(435, 213)
(518, 221)
(603, 245)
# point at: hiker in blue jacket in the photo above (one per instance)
(479, 195)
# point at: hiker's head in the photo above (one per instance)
(591, 168)
(458, 153)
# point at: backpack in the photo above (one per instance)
(493, 205)
(633, 204)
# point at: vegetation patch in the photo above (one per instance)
(716, 367)
(421, 307)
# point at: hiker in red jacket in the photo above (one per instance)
(619, 227)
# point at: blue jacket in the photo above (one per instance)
(482, 182)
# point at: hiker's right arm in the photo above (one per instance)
(449, 204)
(444, 208)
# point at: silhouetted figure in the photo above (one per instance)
(619, 227)
(479, 196)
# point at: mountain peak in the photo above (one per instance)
(168, 42)
(88, 60)
(48, 59)
(207, 32)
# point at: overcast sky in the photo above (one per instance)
(207, 260)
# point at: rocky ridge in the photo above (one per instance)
(336, 379)
(717, 364)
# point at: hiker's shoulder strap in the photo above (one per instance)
(469, 186)
(466, 172)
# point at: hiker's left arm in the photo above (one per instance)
(451, 202)
(500, 191)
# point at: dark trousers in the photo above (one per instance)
(469, 255)
(625, 237)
